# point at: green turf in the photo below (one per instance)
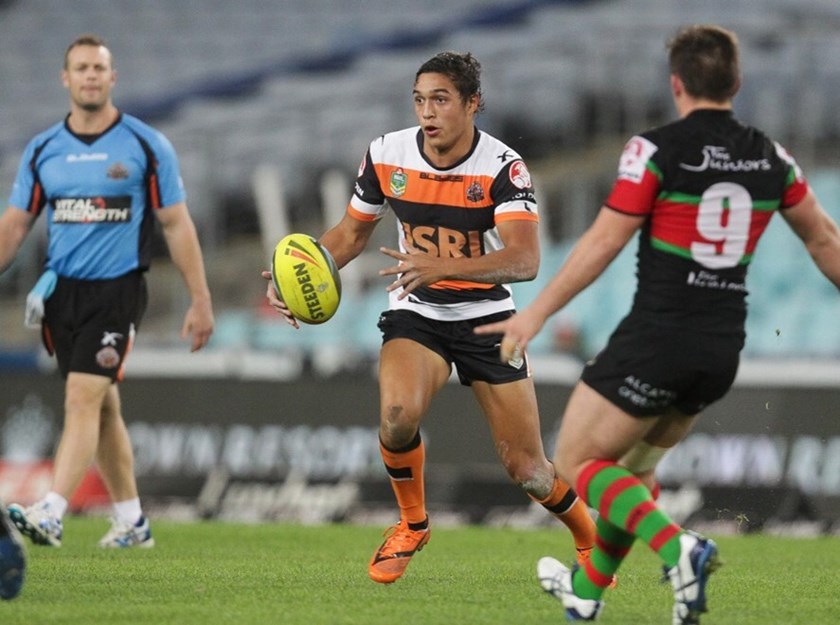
(215, 573)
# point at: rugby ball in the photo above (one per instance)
(306, 278)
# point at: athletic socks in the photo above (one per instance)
(128, 511)
(627, 510)
(405, 469)
(57, 504)
(611, 547)
(564, 503)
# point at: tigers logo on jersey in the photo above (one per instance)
(398, 183)
(475, 193)
(519, 175)
(118, 171)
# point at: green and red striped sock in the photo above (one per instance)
(627, 510)
(612, 545)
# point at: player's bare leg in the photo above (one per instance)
(410, 376)
(511, 411)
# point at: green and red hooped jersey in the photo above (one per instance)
(708, 186)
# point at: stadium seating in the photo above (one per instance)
(305, 86)
(172, 55)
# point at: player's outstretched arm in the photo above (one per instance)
(819, 233)
(592, 254)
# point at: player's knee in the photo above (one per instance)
(530, 476)
(398, 426)
(539, 486)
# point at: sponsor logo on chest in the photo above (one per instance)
(85, 210)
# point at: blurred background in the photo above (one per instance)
(271, 105)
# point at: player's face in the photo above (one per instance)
(89, 77)
(446, 120)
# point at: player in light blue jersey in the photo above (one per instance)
(101, 178)
(101, 193)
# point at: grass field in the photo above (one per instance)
(214, 573)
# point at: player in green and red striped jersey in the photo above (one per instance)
(700, 191)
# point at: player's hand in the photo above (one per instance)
(414, 269)
(517, 331)
(278, 304)
(198, 323)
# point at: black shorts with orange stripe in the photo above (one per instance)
(90, 324)
(476, 357)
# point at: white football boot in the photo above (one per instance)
(38, 523)
(698, 559)
(124, 534)
(556, 579)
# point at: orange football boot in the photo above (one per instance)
(391, 559)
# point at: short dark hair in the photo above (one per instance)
(84, 40)
(705, 57)
(463, 69)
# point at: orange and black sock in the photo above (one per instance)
(564, 503)
(405, 468)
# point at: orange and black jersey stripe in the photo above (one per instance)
(446, 213)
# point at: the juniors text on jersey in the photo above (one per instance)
(708, 186)
(99, 193)
(446, 213)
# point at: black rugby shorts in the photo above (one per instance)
(89, 324)
(647, 369)
(476, 356)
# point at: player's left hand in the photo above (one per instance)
(278, 304)
(517, 331)
(415, 269)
